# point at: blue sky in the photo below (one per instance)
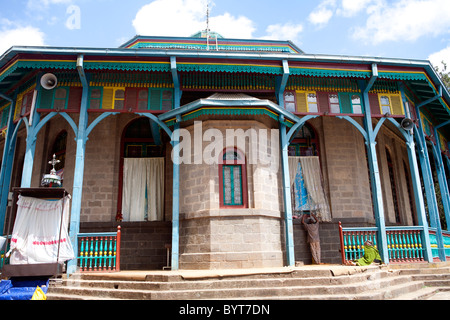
(411, 29)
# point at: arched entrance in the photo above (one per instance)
(141, 174)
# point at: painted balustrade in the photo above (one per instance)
(3, 259)
(434, 246)
(404, 243)
(99, 251)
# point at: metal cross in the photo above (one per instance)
(53, 162)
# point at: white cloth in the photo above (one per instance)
(143, 189)
(313, 182)
(37, 229)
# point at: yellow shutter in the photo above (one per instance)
(302, 104)
(397, 105)
(108, 98)
(18, 106)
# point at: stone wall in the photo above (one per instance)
(212, 237)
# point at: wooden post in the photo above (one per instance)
(118, 238)
(341, 238)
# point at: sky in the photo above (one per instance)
(409, 29)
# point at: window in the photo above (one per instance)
(60, 98)
(356, 104)
(306, 101)
(161, 99)
(334, 103)
(56, 99)
(289, 101)
(142, 99)
(119, 99)
(385, 105)
(305, 142)
(95, 97)
(232, 179)
(349, 103)
(312, 102)
(113, 98)
(59, 150)
(391, 103)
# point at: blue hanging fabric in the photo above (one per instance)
(301, 194)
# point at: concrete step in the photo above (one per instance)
(333, 283)
(223, 283)
(226, 289)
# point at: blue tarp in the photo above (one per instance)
(21, 288)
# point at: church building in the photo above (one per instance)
(208, 151)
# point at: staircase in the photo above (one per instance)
(419, 281)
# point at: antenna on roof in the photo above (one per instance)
(207, 31)
(207, 17)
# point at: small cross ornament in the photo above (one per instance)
(53, 162)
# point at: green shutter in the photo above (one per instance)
(345, 103)
(155, 99)
(46, 99)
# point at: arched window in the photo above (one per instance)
(392, 179)
(305, 142)
(232, 179)
(59, 150)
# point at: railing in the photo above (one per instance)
(3, 259)
(99, 251)
(434, 246)
(404, 243)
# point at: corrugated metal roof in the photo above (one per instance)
(231, 96)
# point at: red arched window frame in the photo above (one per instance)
(232, 179)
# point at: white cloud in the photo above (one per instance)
(323, 13)
(288, 31)
(20, 36)
(232, 27)
(405, 20)
(442, 55)
(186, 17)
(351, 7)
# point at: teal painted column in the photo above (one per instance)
(175, 142)
(418, 197)
(175, 197)
(377, 195)
(441, 178)
(28, 163)
(7, 162)
(32, 131)
(416, 184)
(77, 190)
(289, 229)
(430, 192)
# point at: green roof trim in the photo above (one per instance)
(232, 68)
(127, 66)
(228, 112)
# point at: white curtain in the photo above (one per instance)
(313, 181)
(38, 231)
(143, 189)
